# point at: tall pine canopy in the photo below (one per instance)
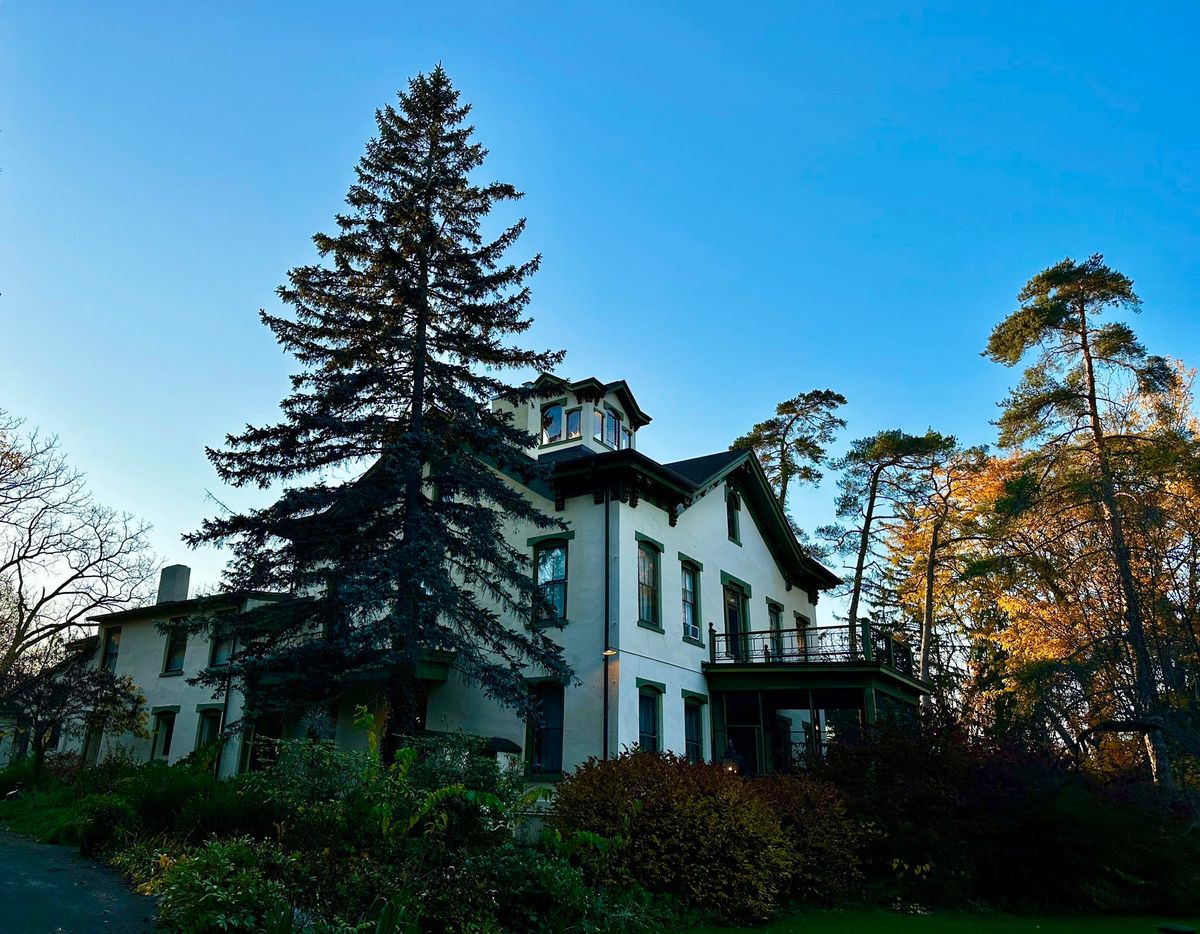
(388, 460)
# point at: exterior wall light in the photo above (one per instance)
(609, 652)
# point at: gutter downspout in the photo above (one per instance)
(607, 647)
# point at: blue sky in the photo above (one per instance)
(734, 202)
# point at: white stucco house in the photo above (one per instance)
(681, 598)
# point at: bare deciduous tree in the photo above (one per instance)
(63, 556)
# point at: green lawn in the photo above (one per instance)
(853, 922)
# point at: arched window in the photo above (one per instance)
(733, 509)
(550, 566)
(552, 423)
(544, 750)
(736, 639)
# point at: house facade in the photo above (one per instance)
(678, 592)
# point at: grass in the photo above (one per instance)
(885, 922)
(46, 816)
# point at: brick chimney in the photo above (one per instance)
(173, 583)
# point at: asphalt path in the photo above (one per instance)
(53, 890)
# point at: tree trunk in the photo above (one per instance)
(1145, 691)
(401, 685)
(864, 545)
(927, 615)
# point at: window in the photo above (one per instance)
(176, 648)
(112, 646)
(735, 621)
(802, 624)
(626, 438)
(222, 644)
(691, 600)
(545, 749)
(164, 729)
(733, 508)
(598, 425)
(209, 728)
(574, 424)
(648, 727)
(552, 423)
(648, 584)
(693, 731)
(550, 563)
(775, 618)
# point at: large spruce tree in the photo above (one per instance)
(388, 460)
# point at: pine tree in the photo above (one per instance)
(1060, 408)
(872, 471)
(791, 444)
(393, 505)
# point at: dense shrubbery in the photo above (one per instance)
(713, 840)
(954, 823)
(328, 841)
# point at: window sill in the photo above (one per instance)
(736, 542)
(696, 642)
(549, 624)
(170, 674)
(548, 778)
(653, 627)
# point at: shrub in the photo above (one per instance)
(822, 840)
(225, 885)
(693, 831)
(18, 774)
(158, 793)
(103, 820)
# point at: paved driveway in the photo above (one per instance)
(51, 889)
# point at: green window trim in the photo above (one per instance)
(653, 685)
(657, 549)
(698, 643)
(169, 708)
(733, 515)
(694, 696)
(566, 536)
(727, 579)
(639, 536)
(688, 559)
(172, 673)
(216, 705)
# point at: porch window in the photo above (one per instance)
(649, 728)
(550, 562)
(802, 636)
(176, 648)
(545, 746)
(735, 621)
(691, 600)
(648, 602)
(693, 731)
(112, 646)
(164, 730)
(775, 621)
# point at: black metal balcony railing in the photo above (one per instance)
(810, 644)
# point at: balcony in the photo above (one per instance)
(815, 645)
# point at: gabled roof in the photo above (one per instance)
(595, 390)
(700, 469)
(680, 482)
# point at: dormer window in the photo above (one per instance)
(552, 423)
(561, 424)
(610, 430)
